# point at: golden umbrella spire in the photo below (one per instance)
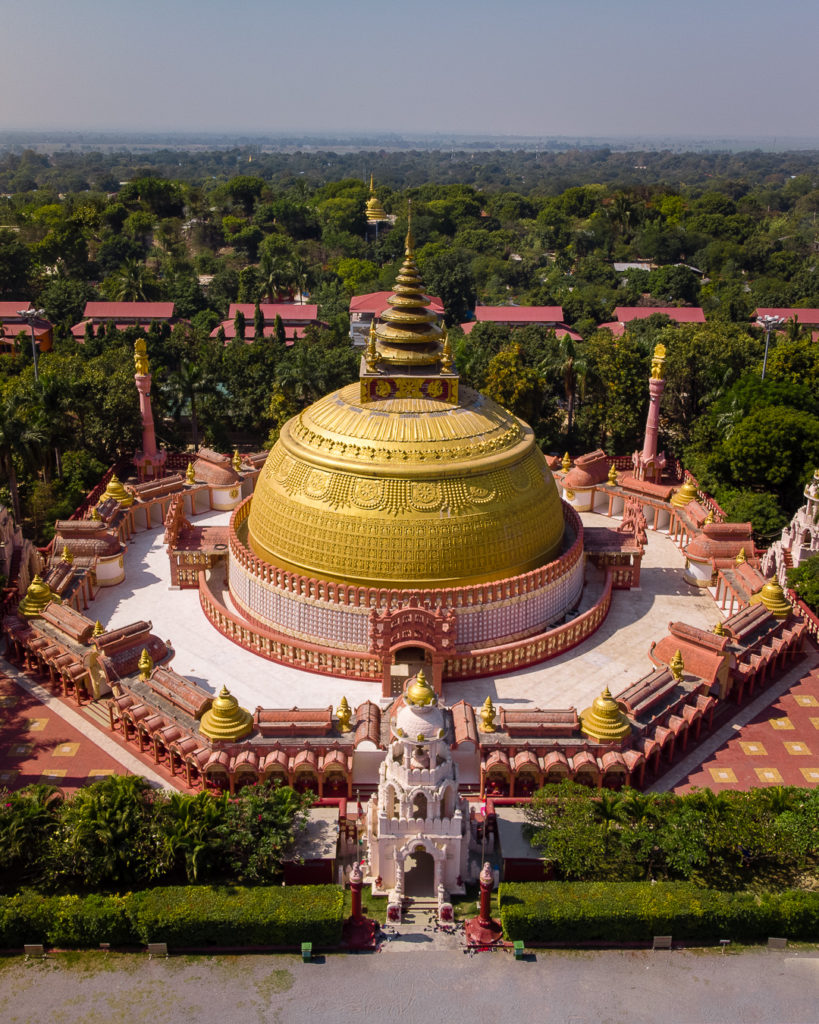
(226, 720)
(409, 334)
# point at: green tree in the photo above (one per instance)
(804, 579)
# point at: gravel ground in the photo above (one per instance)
(611, 987)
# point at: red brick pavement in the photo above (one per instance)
(778, 747)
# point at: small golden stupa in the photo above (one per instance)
(225, 720)
(688, 492)
(419, 693)
(719, 629)
(344, 715)
(38, 595)
(612, 477)
(773, 597)
(116, 491)
(375, 211)
(677, 665)
(487, 714)
(605, 721)
(99, 629)
(566, 464)
(190, 474)
(67, 557)
(236, 461)
(741, 557)
(145, 664)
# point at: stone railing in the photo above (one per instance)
(274, 647)
(512, 656)
(810, 617)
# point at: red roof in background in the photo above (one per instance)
(12, 309)
(291, 331)
(802, 316)
(376, 303)
(128, 310)
(270, 310)
(616, 328)
(519, 314)
(682, 314)
(560, 332)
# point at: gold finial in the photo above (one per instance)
(719, 629)
(145, 664)
(38, 595)
(141, 358)
(657, 362)
(710, 517)
(420, 693)
(99, 629)
(566, 464)
(190, 474)
(741, 557)
(677, 665)
(66, 555)
(605, 720)
(446, 355)
(612, 478)
(409, 245)
(344, 714)
(236, 461)
(371, 355)
(95, 514)
(225, 720)
(487, 714)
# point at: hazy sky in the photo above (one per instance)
(553, 67)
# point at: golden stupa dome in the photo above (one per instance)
(225, 720)
(773, 597)
(116, 491)
(605, 720)
(374, 210)
(402, 479)
(38, 595)
(687, 493)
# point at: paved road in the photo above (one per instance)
(696, 987)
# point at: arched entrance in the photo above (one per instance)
(407, 662)
(419, 873)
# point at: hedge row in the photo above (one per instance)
(181, 916)
(575, 912)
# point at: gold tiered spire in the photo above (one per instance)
(226, 720)
(409, 334)
(605, 720)
(375, 211)
(688, 492)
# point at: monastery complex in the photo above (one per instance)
(405, 604)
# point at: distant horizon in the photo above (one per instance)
(566, 69)
(390, 139)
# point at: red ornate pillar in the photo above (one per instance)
(143, 383)
(358, 931)
(483, 930)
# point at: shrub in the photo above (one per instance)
(575, 912)
(180, 916)
(237, 916)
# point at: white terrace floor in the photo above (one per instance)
(615, 656)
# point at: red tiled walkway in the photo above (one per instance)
(778, 747)
(36, 745)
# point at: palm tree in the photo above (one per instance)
(572, 369)
(19, 441)
(132, 282)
